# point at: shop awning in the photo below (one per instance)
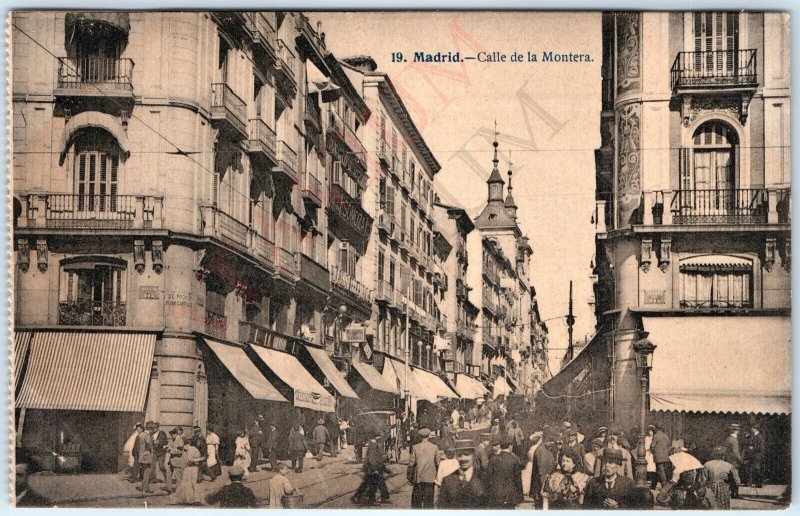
(330, 371)
(394, 374)
(512, 384)
(468, 387)
(88, 371)
(500, 387)
(431, 387)
(721, 364)
(244, 371)
(22, 342)
(308, 393)
(373, 377)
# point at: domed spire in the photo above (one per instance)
(495, 181)
(511, 206)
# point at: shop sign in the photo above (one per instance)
(314, 401)
(148, 292)
(179, 299)
(354, 333)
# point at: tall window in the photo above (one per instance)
(348, 259)
(716, 38)
(392, 268)
(716, 286)
(93, 292)
(380, 266)
(97, 163)
(714, 158)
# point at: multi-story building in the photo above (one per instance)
(401, 252)
(504, 296)
(693, 225)
(181, 219)
(461, 329)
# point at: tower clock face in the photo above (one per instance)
(495, 191)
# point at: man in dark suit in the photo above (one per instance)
(733, 454)
(421, 472)
(756, 449)
(544, 463)
(481, 455)
(660, 449)
(504, 477)
(463, 489)
(234, 495)
(611, 490)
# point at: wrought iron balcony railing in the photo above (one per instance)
(346, 135)
(91, 313)
(95, 75)
(261, 139)
(228, 110)
(715, 68)
(83, 211)
(720, 206)
(287, 162)
(347, 282)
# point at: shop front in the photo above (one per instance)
(79, 396)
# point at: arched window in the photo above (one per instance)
(92, 291)
(714, 145)
(97, 171)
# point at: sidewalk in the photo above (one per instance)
(111, 490)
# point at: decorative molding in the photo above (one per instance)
(647, 254)
(157, 253)
(786, 260)
(23, 255)
(138, 256)
(665, 254)
(769, 254)
(628, 52)
(41, 255)
(693, 107)
(629, 188)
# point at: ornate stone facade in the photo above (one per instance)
(629, 76)
(629, 187)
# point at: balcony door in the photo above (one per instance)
(710, 184)
(716, 39)
(97, 164)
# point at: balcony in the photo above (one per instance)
(488, 302)
(386, 224)
(713, 303)
(717, 207)
(224, 227)
(261, 141)
(79, 212)
(312, 190)
(344, 281)
(263, 34)
(216, 325)
(312, 115)
(285, 65)
(285, 265)
(91, 313)
(95, 77)
(287, 166)
(383, 153)
(347, 214)
(396, 171)
(263, 249)
(228, 111)
(313, 273)
(461, 252)
(727, 69)
(345, 134)
(461, 289)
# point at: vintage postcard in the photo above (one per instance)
(456, 260)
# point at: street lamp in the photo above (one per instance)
(428, 356)
(644, 349)
(338, 325)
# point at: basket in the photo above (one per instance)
(294, 501)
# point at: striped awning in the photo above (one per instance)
(308, 393)
(468, 387)
(244, 371)
(22, 342)
(88, 371)
(374, 378)
(333, 375)
(431, 387)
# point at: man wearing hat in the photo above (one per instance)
(660, 449)
(235, 495)
(131, 448)
(421, 472)
(733, 453)
(159, 452)
(175, 460)
(504, 477)
(464, 488)
(255, 434)
(611, 490)
(321, 437)
(572, 446)
(145, 449)
(687, 473)
(627, 458)
(756, 450)
(543, 463)
(481, 459)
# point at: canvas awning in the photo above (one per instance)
(721, 364)
(431, 387)
(330, 371)
(500, 387)
(22, 342)
(373, 377)
(244, 371)
(308, 393)
(106, 371)
(395, 375)
(468, 387)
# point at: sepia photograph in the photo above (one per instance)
(399, 259)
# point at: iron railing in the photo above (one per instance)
(725, 68)
(225, 104)
(347, 282)
(216, 325)
(346, 135)
(287, 158)
(91, 313)
(95, 73)
(261, 136)
(720, 206)
(84, 211)
(716, 303)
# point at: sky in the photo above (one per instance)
(547, 115)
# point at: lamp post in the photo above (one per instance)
(342, 312)
(644, 362)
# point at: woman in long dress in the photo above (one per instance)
(719, 476)
(242, 453)
(651, 465)
(187, 493)
(564, 489)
